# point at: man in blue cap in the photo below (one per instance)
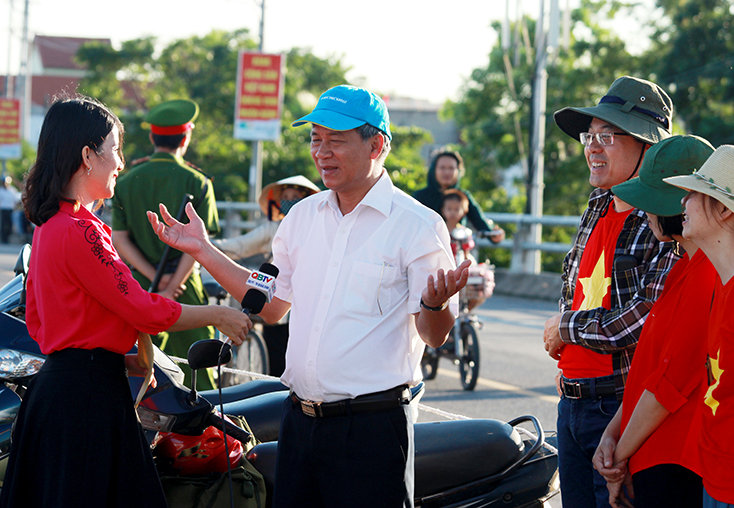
(369, 273)
(166, 177)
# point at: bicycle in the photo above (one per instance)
(252, 355)
(462, 345)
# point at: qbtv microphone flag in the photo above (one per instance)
(262, 288)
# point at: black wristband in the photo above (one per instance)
(435, 309)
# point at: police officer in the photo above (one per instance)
(165, 177)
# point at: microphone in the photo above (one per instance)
(262, 289)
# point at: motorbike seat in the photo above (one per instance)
(453, 453)
(447, 454)
(243, 391)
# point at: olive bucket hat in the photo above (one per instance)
(636, 106)
(715, 178)
(677, 155)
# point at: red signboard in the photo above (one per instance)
(259, 101)
(9, 128)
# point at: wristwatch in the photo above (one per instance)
(435, 309)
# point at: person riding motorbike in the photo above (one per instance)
(445, 172)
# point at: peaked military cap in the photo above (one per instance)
(172, 117)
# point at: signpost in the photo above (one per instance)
(9, 130)
(259, 102)
(258, 105)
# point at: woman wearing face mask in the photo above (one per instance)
(276, 200)
(644, 446)
(445, 172)
(709, 221)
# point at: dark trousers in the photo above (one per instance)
(356, 460)
(6, 225)
(669, 485)
(581, 423)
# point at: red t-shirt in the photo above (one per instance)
(717, 425)
(592, 291)
(669, 363)
(80, 294)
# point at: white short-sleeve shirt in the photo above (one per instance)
(354, 282)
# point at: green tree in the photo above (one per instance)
(494, 121)
(204, 69)
(692, 54)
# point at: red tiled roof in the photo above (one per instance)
(58, 52)
(44, 88)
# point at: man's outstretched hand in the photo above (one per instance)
(189, 238)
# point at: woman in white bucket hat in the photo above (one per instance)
(709, 222)
(645, 443)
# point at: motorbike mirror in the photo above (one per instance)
(24, 258)
(208, 353)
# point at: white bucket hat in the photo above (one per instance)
(715, 178)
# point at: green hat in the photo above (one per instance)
(678, 155)
(638, 107)
(172, 117)
(715, 178)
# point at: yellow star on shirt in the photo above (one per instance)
(716, 372)
(595, 287)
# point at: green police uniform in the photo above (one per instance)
(166, 178)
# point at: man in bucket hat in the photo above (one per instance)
(611, 277)
(369, 274)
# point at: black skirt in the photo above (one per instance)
(77, 441)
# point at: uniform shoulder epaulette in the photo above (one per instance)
(140, 161)
(197, 168)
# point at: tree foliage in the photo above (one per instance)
(495, 122)
(204, 69)
(692, 56)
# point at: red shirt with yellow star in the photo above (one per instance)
(668, 363)
(717, 427)
(592, 291)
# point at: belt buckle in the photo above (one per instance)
(575, 390)
(310, 408)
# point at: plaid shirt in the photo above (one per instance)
(633, 291)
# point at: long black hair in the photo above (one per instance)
(71, 123)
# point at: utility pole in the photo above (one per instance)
(536, 163)
(256, 165)
(23, 84)
(8, 77)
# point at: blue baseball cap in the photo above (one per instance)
(345, 107)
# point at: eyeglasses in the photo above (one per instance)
(603, 138)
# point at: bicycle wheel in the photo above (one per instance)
(251, 356)
(469, 361)
(429, 364)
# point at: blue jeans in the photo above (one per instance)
(581, 423)
(710, 502)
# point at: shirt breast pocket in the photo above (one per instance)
(371, 288)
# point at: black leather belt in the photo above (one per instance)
(587, 388)
(369, 403)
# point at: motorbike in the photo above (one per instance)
(462, 345)
(458, 463)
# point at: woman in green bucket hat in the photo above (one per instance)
(645, 446)
(709, 221)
